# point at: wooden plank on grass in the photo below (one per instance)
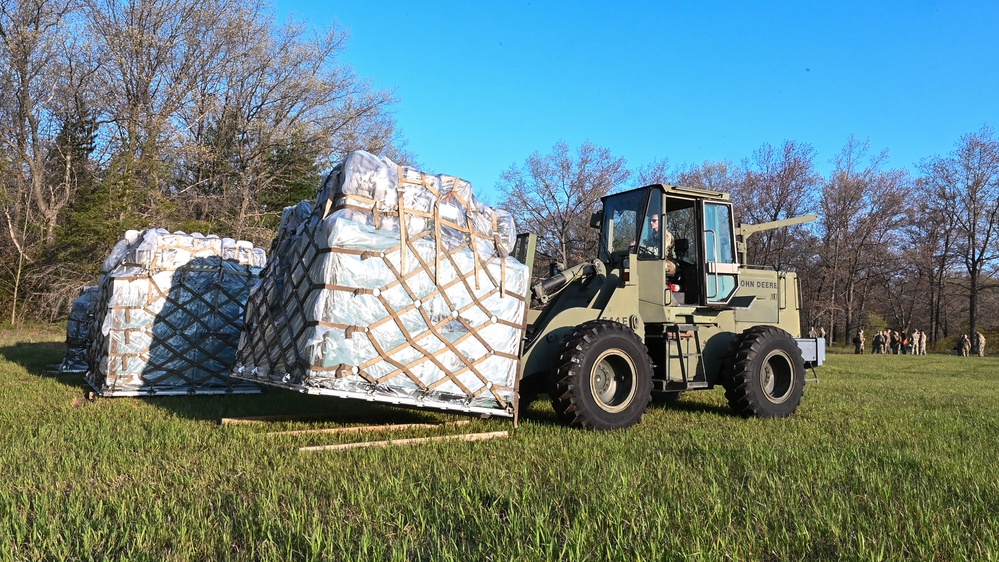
(286, 417)
(358, 429)
(413, 441)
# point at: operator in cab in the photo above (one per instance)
(653, 236)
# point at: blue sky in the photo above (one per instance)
(482, 85)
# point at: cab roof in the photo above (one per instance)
(690, 192)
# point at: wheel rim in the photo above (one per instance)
(777, 377)
(612, 381)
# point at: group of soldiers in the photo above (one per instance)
(966, 347)
(892, 342)
(817, 333)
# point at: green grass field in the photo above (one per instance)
(889, 457)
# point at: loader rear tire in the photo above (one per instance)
(766, 373)
(604, 377)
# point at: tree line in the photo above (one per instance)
(891, 248)
(194, 115)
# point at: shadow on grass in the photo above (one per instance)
(539, 411)
(281, 402)
(41, 360)
(37, 358)
(699, 408)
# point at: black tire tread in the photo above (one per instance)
(565, 392)
(739, 378)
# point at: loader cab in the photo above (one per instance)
(680, 242)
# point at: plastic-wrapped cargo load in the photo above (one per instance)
(395, 286)
(169, 313)
(78, 331)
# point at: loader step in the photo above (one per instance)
(687, 348)
(659, 385)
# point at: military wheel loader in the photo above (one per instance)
(668, 306)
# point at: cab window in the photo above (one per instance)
(651, 244)
(719, 250)
(619, 227)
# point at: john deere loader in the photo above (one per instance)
(668, 306)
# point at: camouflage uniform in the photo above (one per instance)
(980, 344)
(965, 345)
(922, 343)
(878, 343)
(895, 342)
(858, 341)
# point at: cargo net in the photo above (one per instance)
(79, 331)
(395, 286)
(168, 314)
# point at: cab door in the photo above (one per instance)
(651, 251)
(721, 271)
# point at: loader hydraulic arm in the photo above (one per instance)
(744, 231)
(546, 289)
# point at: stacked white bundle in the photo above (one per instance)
(169, 313)
(404, 300)
(78, 331)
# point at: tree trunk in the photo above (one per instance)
(973, 303)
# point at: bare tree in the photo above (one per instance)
(153, 54)
(719, 175)
(43, 75)
(553, 195)
(657, 171)
(290, 95)
(863, 208)
(931, 232)
(902, 286)
(965, 185)
(212, 103)
(714, 176)
(776, 183)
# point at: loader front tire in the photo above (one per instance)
(604, 377)
(765, 375)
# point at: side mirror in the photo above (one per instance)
(596, 219)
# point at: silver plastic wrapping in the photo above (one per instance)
(367, 187)
(169, 311)
(354, 304)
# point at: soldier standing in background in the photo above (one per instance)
(822, 332)
(965, 344)
(858, 341)
(922, 343)
(914, 341)
(980, 344)
(812, 333)
(878, 343)
(894, 341)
